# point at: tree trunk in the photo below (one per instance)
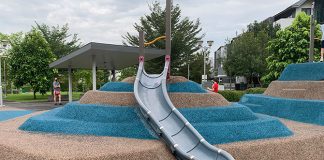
(260, 81)
(34, 95)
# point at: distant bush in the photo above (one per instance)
(235, 96)
(255, 90)
(232, 95)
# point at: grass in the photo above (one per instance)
(29, 97)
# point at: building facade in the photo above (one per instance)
(4, 46)
(287, 16)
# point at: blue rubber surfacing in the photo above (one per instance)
(307, 111)
(216, 124)
(189, 86)
(303, 72)
(10, 114)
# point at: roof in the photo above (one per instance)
(108, 56)
(294, 6)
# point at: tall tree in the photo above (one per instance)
(247, 53)
(185, 34)
(59, 39)
(290, 46)
(29, 61)
(197, 66)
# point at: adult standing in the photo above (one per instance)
(57, 91)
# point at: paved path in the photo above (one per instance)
(36, 106)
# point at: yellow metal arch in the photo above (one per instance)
(155, 40)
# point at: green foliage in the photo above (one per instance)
(255, 90)
(82, 80)
(197, 66)
(232, 95)
(29, 61)
(61, 43)
(290, 46)
(235, 96)
(185, 34)
(59, 40)
(246, 54)
(127, 72)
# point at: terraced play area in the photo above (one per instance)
(106, 124)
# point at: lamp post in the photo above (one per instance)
(4, 46)
(312, 34)
(204, 49)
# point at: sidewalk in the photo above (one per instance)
(36, 106)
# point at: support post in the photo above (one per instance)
(168, 33)
(141, 43)
(113, 72)
(1, 100)
(312, 35)
(168, 27)
(70, 82)
(94, 73)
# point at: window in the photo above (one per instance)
(308, 11)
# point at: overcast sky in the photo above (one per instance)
(106, 20)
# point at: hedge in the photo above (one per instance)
(235, 96)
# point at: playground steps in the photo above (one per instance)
(216, 124)
(307, 111)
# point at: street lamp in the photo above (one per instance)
(205, 49)
(4, 46)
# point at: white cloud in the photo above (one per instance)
(107, 20)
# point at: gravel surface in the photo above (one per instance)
(313, 90)
(307, 143)
(180, 100)
(173, 79)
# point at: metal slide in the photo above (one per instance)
(155, 105)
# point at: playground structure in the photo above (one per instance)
(125, 120)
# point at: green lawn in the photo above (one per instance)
(29, 97)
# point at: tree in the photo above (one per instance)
(127, 72)
(185, 34)
(246, 54)
(290, 46)
(29, 61)
(59, 40)
(197, 66)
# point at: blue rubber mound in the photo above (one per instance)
(216, 124)
(117, 87)
(129, 125)
(190, 86)
(6, 115)
(234, 112)
(226, 132)
(307, 111)
(303, 72)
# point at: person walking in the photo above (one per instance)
(57, 91)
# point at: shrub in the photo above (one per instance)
(232, 95)
(235, 96)
(255, 91)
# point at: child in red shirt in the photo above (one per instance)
(214, 87)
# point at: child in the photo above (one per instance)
(214, 87)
